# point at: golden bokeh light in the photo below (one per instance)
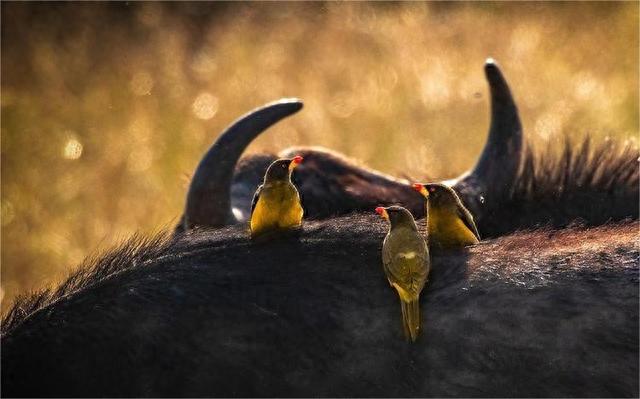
(72, 149)
(205, 106)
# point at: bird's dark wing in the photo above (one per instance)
(386, 262)
(256, 196)
(467, 218)
(404, 272)
(397, 271)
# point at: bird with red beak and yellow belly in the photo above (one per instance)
(276, 204)
(449, 224)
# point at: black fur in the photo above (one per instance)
(584, 185)
(209, 313)
(594, 185)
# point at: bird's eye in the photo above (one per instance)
(432, 189)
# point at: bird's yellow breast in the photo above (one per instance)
(278, 207)
(447, 230)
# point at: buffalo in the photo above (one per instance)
(549, 309)
(509, 188)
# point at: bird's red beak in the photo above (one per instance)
(382, 212)
(297, 160)
(421, 189)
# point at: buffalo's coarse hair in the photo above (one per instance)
(211, 313)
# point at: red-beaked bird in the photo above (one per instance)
(449, 223)
(405, 258)
(276, 204)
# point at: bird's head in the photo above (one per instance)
(438, 194)
(397, 216)
(281, 169)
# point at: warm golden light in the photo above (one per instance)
(136, 95)
(72, 149)
(7, 214)
(141, 84)
(205, 106)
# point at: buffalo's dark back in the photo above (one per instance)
(212, 314)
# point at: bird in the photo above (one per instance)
(406, 263)
(276, 204)
(449, 224)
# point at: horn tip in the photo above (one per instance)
(497, 82)
(491, 68)
(291, 102)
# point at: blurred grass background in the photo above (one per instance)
(107, 107)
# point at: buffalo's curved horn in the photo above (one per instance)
(501, 152)
(208, 199)
(499, 162)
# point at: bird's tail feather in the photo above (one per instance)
(411, 318)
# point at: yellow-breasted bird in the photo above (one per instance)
(449, 223)
(405, 258)
(276, 204)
